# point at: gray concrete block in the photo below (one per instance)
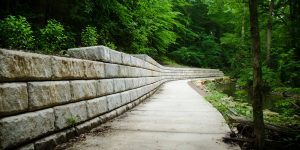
(98, 53)
(27, 147)
(119, 85)
(124, 71)
(94, 69)
(21, 128)
(68, 68)
(21, 66)
(50, 142)
(115, 56)
(96, 106)
(104, 54)
(140, 92)
(132, 71)
(86, 126)
(13, 98)
(70, 114)
(114, 101)
(135, 82)
(121, 110)
(111, 70)
(125, 97)
(126, 59)
(142, 81)
(84, 89)
(134, 61)
(129, 83)
(133, 94)
(105, 87)
(46, 94)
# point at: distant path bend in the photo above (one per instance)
(174, 118)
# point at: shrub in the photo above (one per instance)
(53, 37)
(16, 32)
(89, 36)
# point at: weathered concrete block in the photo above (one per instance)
(94, 69)
(133, 94)
(98, 53)
(140, 92)
(115, 56)
(140, 63)
(132, 71)
(96, 106)
(124, 71)
(70, 133)
(105, 87)
(86, 126)
(111, 70)
(104, 54)
(136, 82)
(67, 68)
(109, 116)
(84, 89)
(134, 61)
(50, 142)
(121, 110)
(125, 97)
(70, 114)
(13, 98)
(119, 85)
(21, 128)
(114, 101)
(21, 66)
(27, 147)
(129, 83)
(126, 59)
(142, 81)
(45, 94)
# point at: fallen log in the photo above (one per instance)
(271, 127)
(236, 139)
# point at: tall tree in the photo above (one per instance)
(257, 102)
(269, 32)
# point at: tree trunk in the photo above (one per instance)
(295, 25)
(257, 78)
(269, 33)
(243, 23)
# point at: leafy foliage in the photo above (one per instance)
(201, 33)
(53, 37)
(89, 36)
(229, 106)
(16, 32)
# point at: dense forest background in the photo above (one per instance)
(200, 33)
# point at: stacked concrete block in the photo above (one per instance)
(46, 94)
(70, 114)
(84, 89)
(21, 128)
(21, 66)
(14, 98)
(105, 87)
(97, 106)
(45, 100)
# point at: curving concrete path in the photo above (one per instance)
(175, 118)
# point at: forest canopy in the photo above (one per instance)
(200, 33)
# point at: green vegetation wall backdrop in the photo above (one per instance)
(16, 33)
(201, 33)
(53, 37)
(89, 36)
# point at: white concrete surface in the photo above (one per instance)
(175, 118)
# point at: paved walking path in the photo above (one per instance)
(175, 118)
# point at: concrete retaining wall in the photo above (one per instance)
(44, 100)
